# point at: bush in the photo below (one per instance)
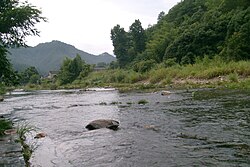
(144, 66)
(133, 77)
(233, 77)
(2, 89)
(170, 62)
(143, 102)
(4, 125)
(118, 76)
(158, 75)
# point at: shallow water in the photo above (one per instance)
(205, 128)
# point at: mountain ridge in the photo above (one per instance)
(50, 55)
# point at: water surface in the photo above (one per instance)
(205, 128)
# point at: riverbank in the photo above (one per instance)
(11, 151)
(207, 73)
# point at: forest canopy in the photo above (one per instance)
(191, 30)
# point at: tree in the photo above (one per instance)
(191, 30)
(237, 45)
(160, 16)
(17, 21)
(5, 67)
(162, 37)
(76, 66)
(232, 4)
(113, 65)
(120, 41)
(138, 36)
(65, 76)
(30, 75)
(72, 69)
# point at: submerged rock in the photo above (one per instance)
(165, 93)
(151, 127)
(103, 123)
(40, 135)
(10, 131)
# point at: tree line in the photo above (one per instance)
(71, 69)
(191, 30)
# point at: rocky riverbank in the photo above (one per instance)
(10, 152)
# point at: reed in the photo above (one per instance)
(24, 130)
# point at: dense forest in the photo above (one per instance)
(191, 30)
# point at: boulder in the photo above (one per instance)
(103, 123)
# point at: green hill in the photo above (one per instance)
(49, 56)
(191, 30)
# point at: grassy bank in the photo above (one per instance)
(212, 73)
(205, 73)
(2, 89)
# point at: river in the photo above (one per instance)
(185, 128)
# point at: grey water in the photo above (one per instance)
(186, 128)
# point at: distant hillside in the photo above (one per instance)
(49, 56)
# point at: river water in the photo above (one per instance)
(185, 128)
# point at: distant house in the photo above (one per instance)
(99, 68)
(52, 74)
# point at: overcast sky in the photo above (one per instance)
(86, 24)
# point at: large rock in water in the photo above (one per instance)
(103, 123)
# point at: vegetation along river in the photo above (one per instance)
(185, 128)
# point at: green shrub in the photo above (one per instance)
(143, 102)
(133, 77)
(4, 125)
(167, 81)
(53, 87)
(170, 62)
(118, 77)
(158, 75)
(144, 66)
(2, 89)
(233, 77)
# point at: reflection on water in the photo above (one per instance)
(205, 128)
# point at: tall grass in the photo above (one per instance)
(24, 130)
(203, 69)
(112, 76)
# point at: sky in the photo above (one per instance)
(86, 24)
